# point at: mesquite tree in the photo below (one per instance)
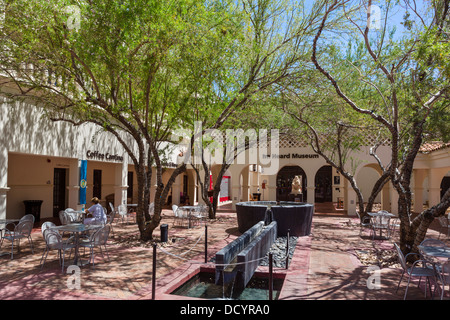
(274, 49)
(407, 83)
(131, 67)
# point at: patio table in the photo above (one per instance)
(190, 209)
(435, 253)
(77, 229)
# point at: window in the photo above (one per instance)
(130, 185)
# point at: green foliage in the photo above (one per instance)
(138, 61)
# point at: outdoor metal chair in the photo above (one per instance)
(21, 230)
(179, 215)
(27, 217)
(123, 212)
(444, 277)
(395, 225)
(45, 226)
(110, 220)
(111, 206)
(364, 223)
(445, 227)
(380, 223)
(73, 216)
(63, 217)
(54, 241)
(7, 230)
(200, 213)
(113, 212)
(98, 239)
(431, 243)
(67, 217)
(414, 270)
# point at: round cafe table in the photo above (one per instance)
(77, 229)
(437, 254)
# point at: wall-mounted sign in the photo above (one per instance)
(168, 164)
(290, 156)
(103, 156)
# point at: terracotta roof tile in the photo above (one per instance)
(433, 146)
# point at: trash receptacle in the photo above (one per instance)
(33, 207)
(164, 232)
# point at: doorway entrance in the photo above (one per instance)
(59, 191)
(323, 184)
(284, 182)
(445, 184)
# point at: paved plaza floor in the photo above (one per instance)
(326, 265)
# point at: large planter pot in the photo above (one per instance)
(293, 216)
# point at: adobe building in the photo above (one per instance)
(40, 160)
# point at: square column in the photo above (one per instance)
(351, 202)
(394, 199)
(74, 184)
(121, 183)
(3, 180)
(385, 198)
(271, 188)
(176, 189)
(419, 176)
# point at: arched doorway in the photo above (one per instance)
(445, 184)
(284, 182)
(323, 185)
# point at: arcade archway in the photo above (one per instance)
(445, 184)
(323, 185)
(284, 182)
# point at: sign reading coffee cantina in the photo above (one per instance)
(290, 156)
(102, 156)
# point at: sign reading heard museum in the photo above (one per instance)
(290, 156)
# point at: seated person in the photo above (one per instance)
(98, 214)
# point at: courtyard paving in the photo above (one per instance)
(327, 265)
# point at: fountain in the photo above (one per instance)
(202, 285)
(237, 261)
(293, 216)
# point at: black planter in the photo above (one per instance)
(33, 207)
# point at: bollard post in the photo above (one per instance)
(270, 276)
(287, 250)
(154, 272)
(206, 243)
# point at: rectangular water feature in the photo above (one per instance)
(203, 286)
(228, 254)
